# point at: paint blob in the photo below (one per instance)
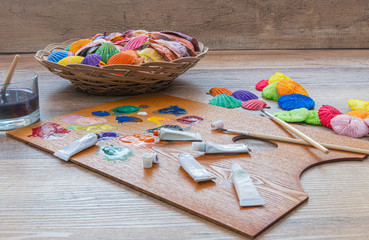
(144, 106)
(173, 110)
(123, 119)
(100, 113)
(190, 120)
(142, 113)
(172, 127)
(49, 131)
(70, 118)
(106, 136)
(113, 153)
(94, 128)
(138, 138)
(157, 120)
(84, 121)
(124, 110)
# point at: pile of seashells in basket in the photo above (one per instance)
(132, 47)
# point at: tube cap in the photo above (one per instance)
(216, 125)
(236, 167)
(199, 146)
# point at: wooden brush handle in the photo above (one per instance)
(11, 72)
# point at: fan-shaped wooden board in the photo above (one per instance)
(275, 172)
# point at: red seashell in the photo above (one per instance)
(255, 104)
(326, 113)
(136, 42)
(261, 85)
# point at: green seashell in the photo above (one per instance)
(67, 49)
(226, 101)
(313, 118)
(295, 115)
(106, 51)
(270, 92)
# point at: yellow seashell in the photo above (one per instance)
(151, 55)
(358, 104)
(71, 60)
(359, 113)
(277, 77)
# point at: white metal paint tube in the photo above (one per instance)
(194, 168)
(247, 194)
(173, 135)
(77, 146)
(210, 147)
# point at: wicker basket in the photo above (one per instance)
(119, 79)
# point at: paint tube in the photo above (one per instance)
(246, 191)
(210, 147)
(173, 135)
(76, 146)
(194, 168)
(149, 159)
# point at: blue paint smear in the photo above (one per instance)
(106, 136)
(101, 113)
(173, 110)
(123, 119)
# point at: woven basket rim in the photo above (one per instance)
(53, 46)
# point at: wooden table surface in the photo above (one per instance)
(42, 197)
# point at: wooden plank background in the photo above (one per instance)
(30, 25)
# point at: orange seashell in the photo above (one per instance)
(286, 87)
(79, 44)
(359, 113)
(126, 57)
(219, 90)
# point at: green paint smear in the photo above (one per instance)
(114, 153)
(94, 128)
(125, 109)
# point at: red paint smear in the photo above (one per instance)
(190, 120)
(49, 131)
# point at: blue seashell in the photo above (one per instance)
(56, 56)
(244, 95)
(294, 101)
(92, 59)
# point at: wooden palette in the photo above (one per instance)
(275, 172)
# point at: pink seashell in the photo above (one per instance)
(326, 113)
(255, 104)
(136, 42)
(349, 126)
(366, 120)
(261, 85)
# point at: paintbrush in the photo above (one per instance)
(219, 125)
(8, 78)
(297, 132)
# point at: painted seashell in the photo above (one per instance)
(189, 46)
(89, 50)
(294, 101)
(286, 87)
(151, 55)
(92, 60)
(359, 113)
(313, 118)
(255, 104)
(194, 41)
(126, 57)
(349, 126)
(106, 51)
(83, 50)
(67, 49)
(261, 85)
(219, 90)
(277, 77)
(358, 104)
(159, 35)
(226, 101)
(244, 95)
(136, 42)
(176, 47)
(112, 35)
(270, 92)
(168, 54)
(326, 113)
(296, 115)
(366, 120)
(98, 36)
(79, 44)
(56, 56)
(71, 60)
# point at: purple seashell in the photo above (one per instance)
(92, 59)
(70, 53)
(244, 95)
(194, 41)
(111, 35)
(135, 42)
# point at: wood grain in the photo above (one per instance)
(45, 198)
(30, 25)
